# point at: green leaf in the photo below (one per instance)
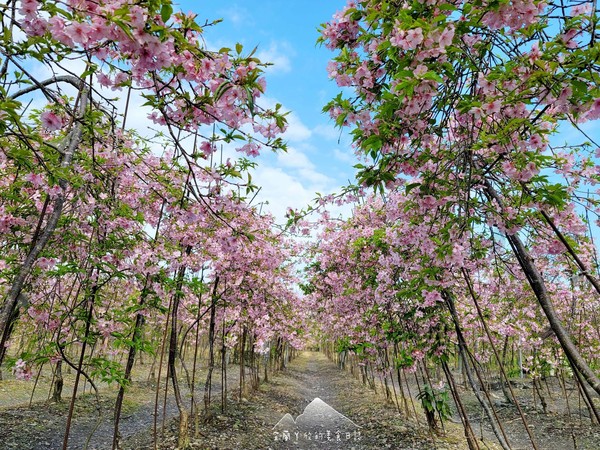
(447, 7)
(373, 143)
(223, 87)
(165, 12)
(410, 187)
(433, 76)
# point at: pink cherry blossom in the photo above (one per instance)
(446, 37)
(51, 121)
(492, 107)
(594, 111)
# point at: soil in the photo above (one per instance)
(42, 426)
(563, 426)
(251, 422)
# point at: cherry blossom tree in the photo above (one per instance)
(459, 103)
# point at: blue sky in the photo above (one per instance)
(286, 33)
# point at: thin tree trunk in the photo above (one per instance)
(88, 322)
(183, 438)
(68, 147)
(500, 362)
(536, 281)
(223, 369)
(505, 391)
(136, 339)
(160, 367)
(469, 434)
(494, 422)
(211, 348)
(193, 402)
(242, 363)
(58, 383)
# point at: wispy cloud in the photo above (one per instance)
(238, 15)
(329, 132)
(278, 54)
(344, 156)
(294, 159)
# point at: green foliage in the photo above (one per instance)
(435, 403)
(359, 348)
(404, 360)
(108, 371)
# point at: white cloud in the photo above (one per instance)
(329, 132)
(345, 156)
(277, 54)
(317, 179)
(282, 190)
(294, 159)
(296, 130)
(291, 180)
(297, 162)
(238, 15)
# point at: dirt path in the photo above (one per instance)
(250, 424)
(339, 412)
